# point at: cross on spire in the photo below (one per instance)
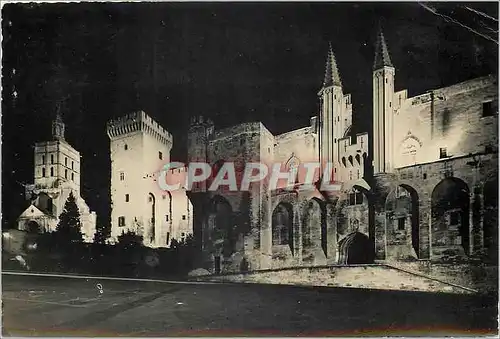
(332, 77)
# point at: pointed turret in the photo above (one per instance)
(382, 58)
(383, 78)
(332, 77)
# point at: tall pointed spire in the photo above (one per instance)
(382, 57)
(332, 77)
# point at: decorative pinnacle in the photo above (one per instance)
(382, 58)
(332, 77)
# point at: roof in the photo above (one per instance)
(382, 58)
(332, 76)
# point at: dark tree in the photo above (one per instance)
(130, 239)
(69, 227)
(101, 234)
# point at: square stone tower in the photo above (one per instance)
(56, 176)
(140, 148)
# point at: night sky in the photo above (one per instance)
(233, 62)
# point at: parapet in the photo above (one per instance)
(138, 121)
(201, 121)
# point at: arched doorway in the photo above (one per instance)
(152, 214)
(402, 221)
(490, 218)
(450, 218)
(219, 237)
(282, 225)
(356, 248)
(33, 227)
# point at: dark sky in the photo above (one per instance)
(233, 62)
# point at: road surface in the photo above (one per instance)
(64, 306)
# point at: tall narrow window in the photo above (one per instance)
(359, 198)
(52, 171)
(72, 165)
(121, 221)
(160, 155)
(401, 224)
(442, 153)
(72, 176)
(122, 176)
(43, 159)
(183, 217)
(166, 217)
(127, 198)
(52, 159)
(65, 161)
(352, 198)
(65, 174)
(43, 171)
(125, 147)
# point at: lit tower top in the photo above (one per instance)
(332, 77)
(382, 58)
(138, 122)
(58, 127)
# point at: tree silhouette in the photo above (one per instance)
(101, 234)
(130, 239)
(69, 227)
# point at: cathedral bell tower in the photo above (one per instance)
(383, 112)
(330, 115)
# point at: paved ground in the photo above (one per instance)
(61, 306)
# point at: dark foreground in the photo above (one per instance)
(58, 306)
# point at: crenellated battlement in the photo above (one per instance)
(135, 122)
(353, 151)
(201, 121)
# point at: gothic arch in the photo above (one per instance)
(490, 217)
(356, 248)
(282, 224)
(450, 202)
(293, 164)
(402, 221)
(314, 227)
(33, 227)
(152, 217)
(168, 220)
(219, 233)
